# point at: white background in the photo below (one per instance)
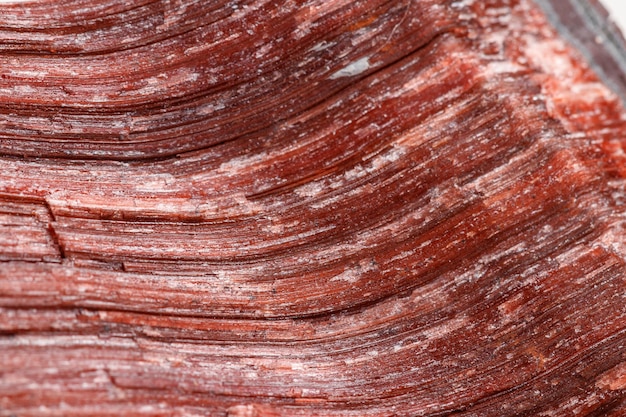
(617, 8)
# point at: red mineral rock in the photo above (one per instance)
(320, 208)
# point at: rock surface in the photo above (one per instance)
(321, 208)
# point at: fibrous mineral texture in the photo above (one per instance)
(320, 208)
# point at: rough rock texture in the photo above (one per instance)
(321, 208)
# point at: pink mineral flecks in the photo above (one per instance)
(614, 379)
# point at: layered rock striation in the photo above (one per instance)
(321, 208)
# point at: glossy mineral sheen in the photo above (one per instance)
(321, 208)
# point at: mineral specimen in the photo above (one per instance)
(309, 208)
